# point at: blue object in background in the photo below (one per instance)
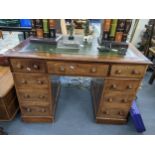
(25, 22)
(136, 117)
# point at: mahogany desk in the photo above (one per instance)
(32, 64)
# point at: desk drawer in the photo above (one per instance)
(124, 85)
(128, 70)
(35, 110)
(68, 68)
(120, 98)
(28, 65)
(34, 96)
(31, 81)
(114, 113)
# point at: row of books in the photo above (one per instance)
(115, 29)
(44, 28)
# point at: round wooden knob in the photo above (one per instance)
(35, 66)
(43, 110)
(24, 82)
(114, 86)
(118, 71)
(27, 96)
(124, 100)
(40, 82)
(28, 110)
(110, 99)
(121, 113)
(72, 67)
(129, 86)
(41, 97)
(135, 72)
(62, 68)
(28, 69)
(105, 112)
(19, 66)
(93, 70)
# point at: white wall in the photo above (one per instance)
(139, 31)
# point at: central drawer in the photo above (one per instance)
(81, 69)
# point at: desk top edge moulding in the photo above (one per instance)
(90, 53)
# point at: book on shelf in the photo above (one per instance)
(106, 28)
(113, 29)
(119, 30)
(39, 33)
(128, 23)
(52, 28)
(45, 28)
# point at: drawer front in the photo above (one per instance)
(117, 97)
(114, 113)
(82, 69)
(34, 97)
(28, 65)
(31, 81)
(35, 110)
(128, 70)
(121, 85)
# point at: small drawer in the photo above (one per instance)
(37, 96)
(128, 70)
(118, 97)
(31, 81)
(35, 110)
(114, 113)
(121, 85)
(65, 68)
(28, 65)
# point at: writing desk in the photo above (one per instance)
(32, 64)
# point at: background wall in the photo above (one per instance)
(139, 31)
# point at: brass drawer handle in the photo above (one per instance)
(19, 66)
(110, 99)
(129, 86)
(28, 109)
(118, 71)
(93, 70)
(35, 66)
(124, 100)
(62, 68)
(27, 96)
(135, 72)
(24, 82)
(40, 82)
(114, 86)
(28, 69)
